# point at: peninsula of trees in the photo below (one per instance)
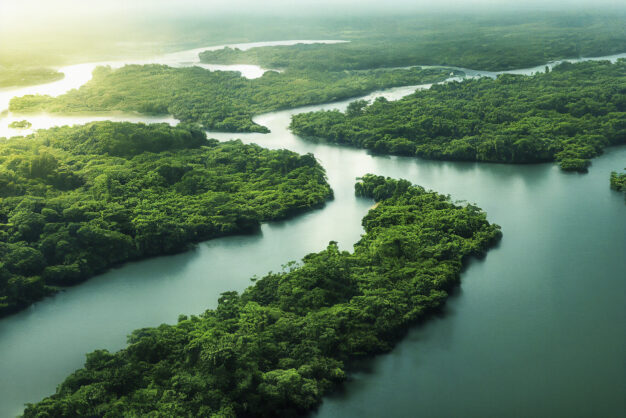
(217, 100)
(567, 115)
(75, 201)
(278, 347)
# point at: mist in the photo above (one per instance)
(64, 31)
(15, 14)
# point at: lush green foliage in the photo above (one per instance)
(217, 100)
(487, 43)
(21, 124)
(618, 181)
(76, 200)
(569, 115)
(25, 76)
(278, 347)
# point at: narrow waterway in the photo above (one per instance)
(536, 328)
(78, 74)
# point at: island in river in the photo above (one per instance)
(618, 181)
(20, 124)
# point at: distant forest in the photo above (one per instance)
(490, 42)
(482, 43)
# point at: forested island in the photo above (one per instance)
(479, 42)
(75, 201)
(217, 100)
(20, 124)
(618, 181)
(278, 347)
(568, 115)
(26, 76)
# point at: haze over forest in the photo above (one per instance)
(61, 24)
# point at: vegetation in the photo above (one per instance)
(75, 201)
(493, 40)
(278, 347)
(22, 124)
(618, 181)
(567, 115)
(496, 42)
(219, 100)
(25, 76)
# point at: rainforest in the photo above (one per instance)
(223, 101)
(330, 208)
(279, 346)
(76, 201)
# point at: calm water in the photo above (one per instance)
(536, 328)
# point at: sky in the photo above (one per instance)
(49, 9)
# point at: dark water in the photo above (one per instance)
(537, 328)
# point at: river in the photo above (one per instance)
(535, 329)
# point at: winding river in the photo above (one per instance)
(535, 329)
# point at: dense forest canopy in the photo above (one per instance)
(567, 115)
(278, 347)
(75, 201)
(218, 100)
